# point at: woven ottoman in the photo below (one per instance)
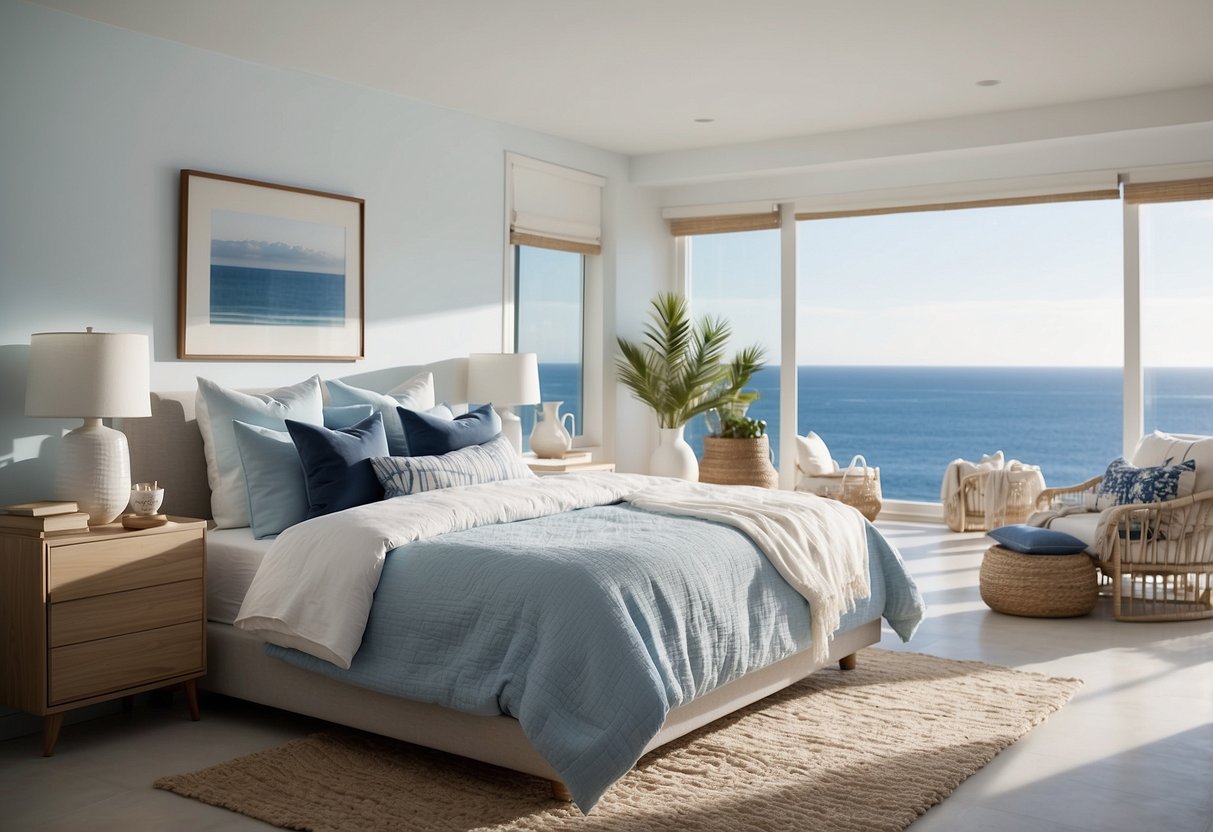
(1038, 586)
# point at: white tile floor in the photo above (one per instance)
(1132, 751)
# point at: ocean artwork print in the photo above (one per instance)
(275, 271)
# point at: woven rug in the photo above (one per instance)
(867, 749)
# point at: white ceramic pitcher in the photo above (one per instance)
(549, 438)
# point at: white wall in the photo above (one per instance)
(96, 122)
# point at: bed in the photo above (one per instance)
(168, 447)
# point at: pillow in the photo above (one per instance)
(277, 495)
(336, 467)
(1159, 448)
(417, 394)
(1033, 540)
(428, 435)
(813, 457)
(344, 416)
(494, 460)
(217, 408)
(1127, 484)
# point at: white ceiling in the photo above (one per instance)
(632, 75)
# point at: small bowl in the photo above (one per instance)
(146, 502)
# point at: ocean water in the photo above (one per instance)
(274, 297)
(912, 421)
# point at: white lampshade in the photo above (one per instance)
(505, 379)
(92, 376)
(88, 375)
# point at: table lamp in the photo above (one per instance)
(92, 376)
(505, 379)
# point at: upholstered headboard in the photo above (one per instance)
(167, 447)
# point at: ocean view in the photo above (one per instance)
(912, 421)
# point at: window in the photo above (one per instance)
(549, 292)
(553, 287)
(736, 276)
(925, 336)
(1176, 249)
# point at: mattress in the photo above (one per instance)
(232, 558)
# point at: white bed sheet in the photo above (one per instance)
(232, 558)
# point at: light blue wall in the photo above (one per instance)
(96, 122)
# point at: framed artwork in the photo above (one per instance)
(268, 272)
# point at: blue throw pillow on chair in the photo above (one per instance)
(431, 436)
(336, 463)
(1127, 484)
(1033, 540)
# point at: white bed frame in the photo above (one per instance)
(168, 447)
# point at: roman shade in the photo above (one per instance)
(554, 207)
(716, 219)
(1181, 190)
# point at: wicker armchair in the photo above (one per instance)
(1158, 557)
(966, 512)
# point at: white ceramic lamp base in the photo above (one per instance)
(94, 469)
(511, 427)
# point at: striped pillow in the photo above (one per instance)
(492, 461)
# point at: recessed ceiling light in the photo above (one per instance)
(704, 120)
(989, 82)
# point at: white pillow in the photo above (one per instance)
(416, 394)
(1160, 448)
(217, 407)
(813, 457)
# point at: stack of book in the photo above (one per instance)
(568, 461)
(45, 517)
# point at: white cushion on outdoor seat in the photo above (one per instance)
(1081, 524)
(813, 456)
(1159, 448)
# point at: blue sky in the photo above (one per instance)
(260, 241)
(1036, 285)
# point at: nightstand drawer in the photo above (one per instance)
(85, 569)
(102, 616)
(109, 664)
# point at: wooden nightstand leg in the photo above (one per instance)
(191, 698)
(847, 662)
(50, 733)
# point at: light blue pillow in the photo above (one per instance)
(277, 496)
(494, 460)
(417, 394)
(428, 435)
(336, 470)
(217, 408)
(1033, 540)
(339, 417)
(1127, 484)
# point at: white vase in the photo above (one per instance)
(674, 457)
(549, 439)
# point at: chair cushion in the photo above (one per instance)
(1033, 540)
(1082, 525)
(1159, 448)
(1128, 484)
(813, 457)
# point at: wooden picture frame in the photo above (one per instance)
(268, 272)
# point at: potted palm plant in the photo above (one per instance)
(679, 370)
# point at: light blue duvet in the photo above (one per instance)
(589, 626)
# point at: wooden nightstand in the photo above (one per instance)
(99, 615)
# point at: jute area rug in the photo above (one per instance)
(867, 749)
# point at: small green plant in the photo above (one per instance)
(742, 427)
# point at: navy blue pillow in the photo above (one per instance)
(430, 435)
(1033, 540)
(337, 463)
(1128, 484)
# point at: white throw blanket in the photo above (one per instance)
(314, 588)
(819, 546)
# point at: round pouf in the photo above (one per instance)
(1038, 586)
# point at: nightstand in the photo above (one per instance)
(93, 616)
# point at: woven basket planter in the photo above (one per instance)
(738, 462)
(1037, 586)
